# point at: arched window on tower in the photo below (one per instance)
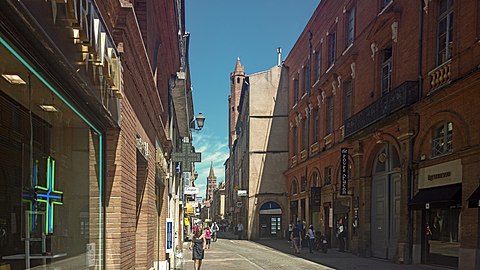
(238, 80)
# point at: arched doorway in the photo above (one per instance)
(385, 202)
(270, 220)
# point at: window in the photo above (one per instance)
(307, 78)
(295, 90)
(329, 124)
(445, 31)
(304, 134)
(294, 186)
(332, 45)
(238, 80)
(386, 70)
(318, 64)
(315, 119)
(442, 139)
(295, 141)
(347, 99)
(314, 180)
(328, 175)
(350, 27)
(303, 184)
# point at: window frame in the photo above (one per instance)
(318, 64)
(347, 99)
(295, 140)
(329, 115)
(446, 139)
(296, 90)
(307, 78)
(386, 63)
(332, 47)
(350, 28)
(316, 124)
(305, 134)
(448, 15)
(327, 176)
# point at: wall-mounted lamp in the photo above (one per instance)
(200, 119)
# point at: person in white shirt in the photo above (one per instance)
(240, 230)
(310, 235)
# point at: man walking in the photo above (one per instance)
(240, 230)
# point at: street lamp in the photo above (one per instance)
(200, 119)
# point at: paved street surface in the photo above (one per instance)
(232, 254)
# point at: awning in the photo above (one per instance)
(474, 199)
(437, 196)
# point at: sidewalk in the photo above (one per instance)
(335, 259)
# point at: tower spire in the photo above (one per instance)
(211, 175)
(239, 68)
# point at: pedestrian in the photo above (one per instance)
(240, 230)
(311, 238)
(198, 246)
(341, 236)
(290, 229)
(208, 236)
(215, 229)
(295, 237)
(300, 228)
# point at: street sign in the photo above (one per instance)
(242, 193)
(191, 191)
(169, 238)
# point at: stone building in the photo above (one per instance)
(95, 96)
(382, 119)
(259, 154)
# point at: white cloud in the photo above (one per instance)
(214, 150)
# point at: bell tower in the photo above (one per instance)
(236, 82)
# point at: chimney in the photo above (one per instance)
(279, 56)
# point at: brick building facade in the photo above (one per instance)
(108, 101)
(393, 83)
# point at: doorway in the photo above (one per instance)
(271, 220)
(385, 202)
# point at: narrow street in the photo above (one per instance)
(232, 254)
(242, 254)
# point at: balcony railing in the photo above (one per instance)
(440, 75)
(403, 96)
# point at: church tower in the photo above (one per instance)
(211, 183)
(236, 83)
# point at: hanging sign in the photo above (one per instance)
(344, 171)
(169, 238)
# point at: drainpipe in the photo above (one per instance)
(411, 173)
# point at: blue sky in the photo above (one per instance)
(221, 31)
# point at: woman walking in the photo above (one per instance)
(208, 236)
(198, 245)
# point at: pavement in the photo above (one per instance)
(333, 258)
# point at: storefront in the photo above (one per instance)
(50, 173)
(440, 201)
(54, 110)
(270, 220)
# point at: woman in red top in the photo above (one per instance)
(208, 236)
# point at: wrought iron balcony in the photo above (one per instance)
(403, 96)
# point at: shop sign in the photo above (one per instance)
(191, 191)
(169, 238)
(97, 52)
(90, 255)
(344, 171)
(242, 193)
(239, 204)
(187, 178)
(446, 173)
